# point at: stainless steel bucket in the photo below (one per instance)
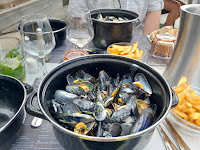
(186, 58)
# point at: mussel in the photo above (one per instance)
(104, 106)
(63, 96)
(142, 79)
(76, 118)
(85, 106)
(113, 130)
(100, 112)
(145, 119)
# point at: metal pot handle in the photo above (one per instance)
(28, 88)
(30, 109)
(174, 99)
(137, 22)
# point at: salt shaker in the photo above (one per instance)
(32, 63)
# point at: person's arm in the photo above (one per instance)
(152, 21)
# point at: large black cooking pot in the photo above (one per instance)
(56, 79)
(106, 33)
(12, 113)
(59, 28)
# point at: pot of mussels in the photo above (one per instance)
(103, 102)
(113, 26)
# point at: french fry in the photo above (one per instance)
(181, 100)
(137, 53)
(131, 51)
(184, 91)
(192, 122)
(120, 48)
(197, 107)
(192, 92)
(112, 51)
(182, 80)
(134, 47)
(141, 53)
(181, 114)
(130, 55)
(188, 107)
(127, 50)
(177, 107)
(194, 116)
(181, 87)
(190, 110)
(197, 122)
(193, 99)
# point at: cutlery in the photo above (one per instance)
(36, 122)
(168, 143)
(182, 145)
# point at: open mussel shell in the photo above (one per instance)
(108, 101)
(80, 76)
(90, 127)
(139, 77)
(80, 88)
(132, 105)
(121, 114)
(70, 79)
(100, 112)
(126, 79)
(104, 80)
(75, 89)
(85, 76)
(100, 17)
(67, 109)
(57, 107)
(85, 105)
(76, 118)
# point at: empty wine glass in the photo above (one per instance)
(80, 30)
(37, 36)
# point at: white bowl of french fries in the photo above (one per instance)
(186, 115)
(131, 50)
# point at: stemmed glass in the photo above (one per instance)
(38, 40)
(80, 31)
(37, 36)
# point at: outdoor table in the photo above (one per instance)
(43, 137)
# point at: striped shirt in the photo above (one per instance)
(141, 7)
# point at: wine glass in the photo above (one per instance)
(37, 36)
(80, 30)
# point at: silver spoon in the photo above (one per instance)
(168, 143)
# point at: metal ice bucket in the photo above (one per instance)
(186, 57)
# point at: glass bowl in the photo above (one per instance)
(129, 44)
(12, 58)
(183, 125)
(74, 53)
(162, 46)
